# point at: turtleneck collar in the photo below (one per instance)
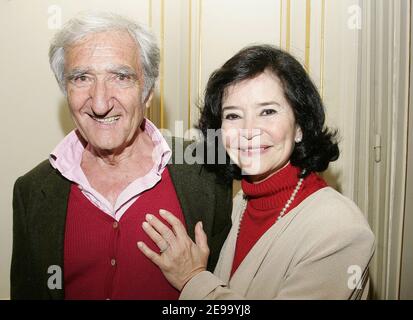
(266, 199)
(274, 192)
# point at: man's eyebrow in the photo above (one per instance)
(75, 72)
(121, 69)
(115, 69)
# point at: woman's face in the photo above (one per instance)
(258, 126)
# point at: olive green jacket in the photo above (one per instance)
(40, 201)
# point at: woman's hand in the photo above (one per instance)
(180, 258)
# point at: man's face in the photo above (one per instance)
(104, 89)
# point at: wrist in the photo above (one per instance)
(193, 274)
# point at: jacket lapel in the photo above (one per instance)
(197, 202)
(226, 258)
(52, 207)
(243, 276)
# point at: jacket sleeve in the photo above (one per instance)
(20, 271)
(207, 286)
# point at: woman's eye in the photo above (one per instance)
(231, 116)
(268, 112)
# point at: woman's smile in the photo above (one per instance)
(258, 126)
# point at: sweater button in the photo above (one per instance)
(115, 225)
(113, 262)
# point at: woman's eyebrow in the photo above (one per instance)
(268, 103)
(258, 105)
(230, 108)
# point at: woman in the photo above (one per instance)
(293, 237)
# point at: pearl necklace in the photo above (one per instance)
(284, 209)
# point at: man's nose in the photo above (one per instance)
(100, 98)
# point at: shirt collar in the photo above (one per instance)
(67, 155)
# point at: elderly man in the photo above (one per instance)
(79, 214)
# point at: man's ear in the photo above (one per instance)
(149, 98)
(298, 134)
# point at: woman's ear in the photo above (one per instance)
(298, 134)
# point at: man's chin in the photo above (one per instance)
(104, 147)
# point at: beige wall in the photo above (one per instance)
(196, 37)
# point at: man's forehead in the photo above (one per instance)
(98, 50)
(103, 48)
(105, 43)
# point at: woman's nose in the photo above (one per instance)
(250, 129)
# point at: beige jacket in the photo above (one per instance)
(319, 250)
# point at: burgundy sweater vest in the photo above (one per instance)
(101, 258)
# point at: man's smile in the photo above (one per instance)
(106, 120)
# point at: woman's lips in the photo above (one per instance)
(253, 151)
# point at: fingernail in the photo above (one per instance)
(162, 212)
(202, 226)
(149, 217)
(140, 245)
(145, 224)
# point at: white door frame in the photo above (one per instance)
(406, 281)
(382, 127)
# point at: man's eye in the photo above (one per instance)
(82, 78)
(231, 116)
(268, 112)
(123, 77)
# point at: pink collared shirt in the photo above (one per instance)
(67, 157)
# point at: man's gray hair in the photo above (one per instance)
(91, 22)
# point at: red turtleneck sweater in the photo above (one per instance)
(265, 202)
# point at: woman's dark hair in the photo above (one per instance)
(318, 146)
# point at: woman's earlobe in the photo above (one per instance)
(298, 135)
